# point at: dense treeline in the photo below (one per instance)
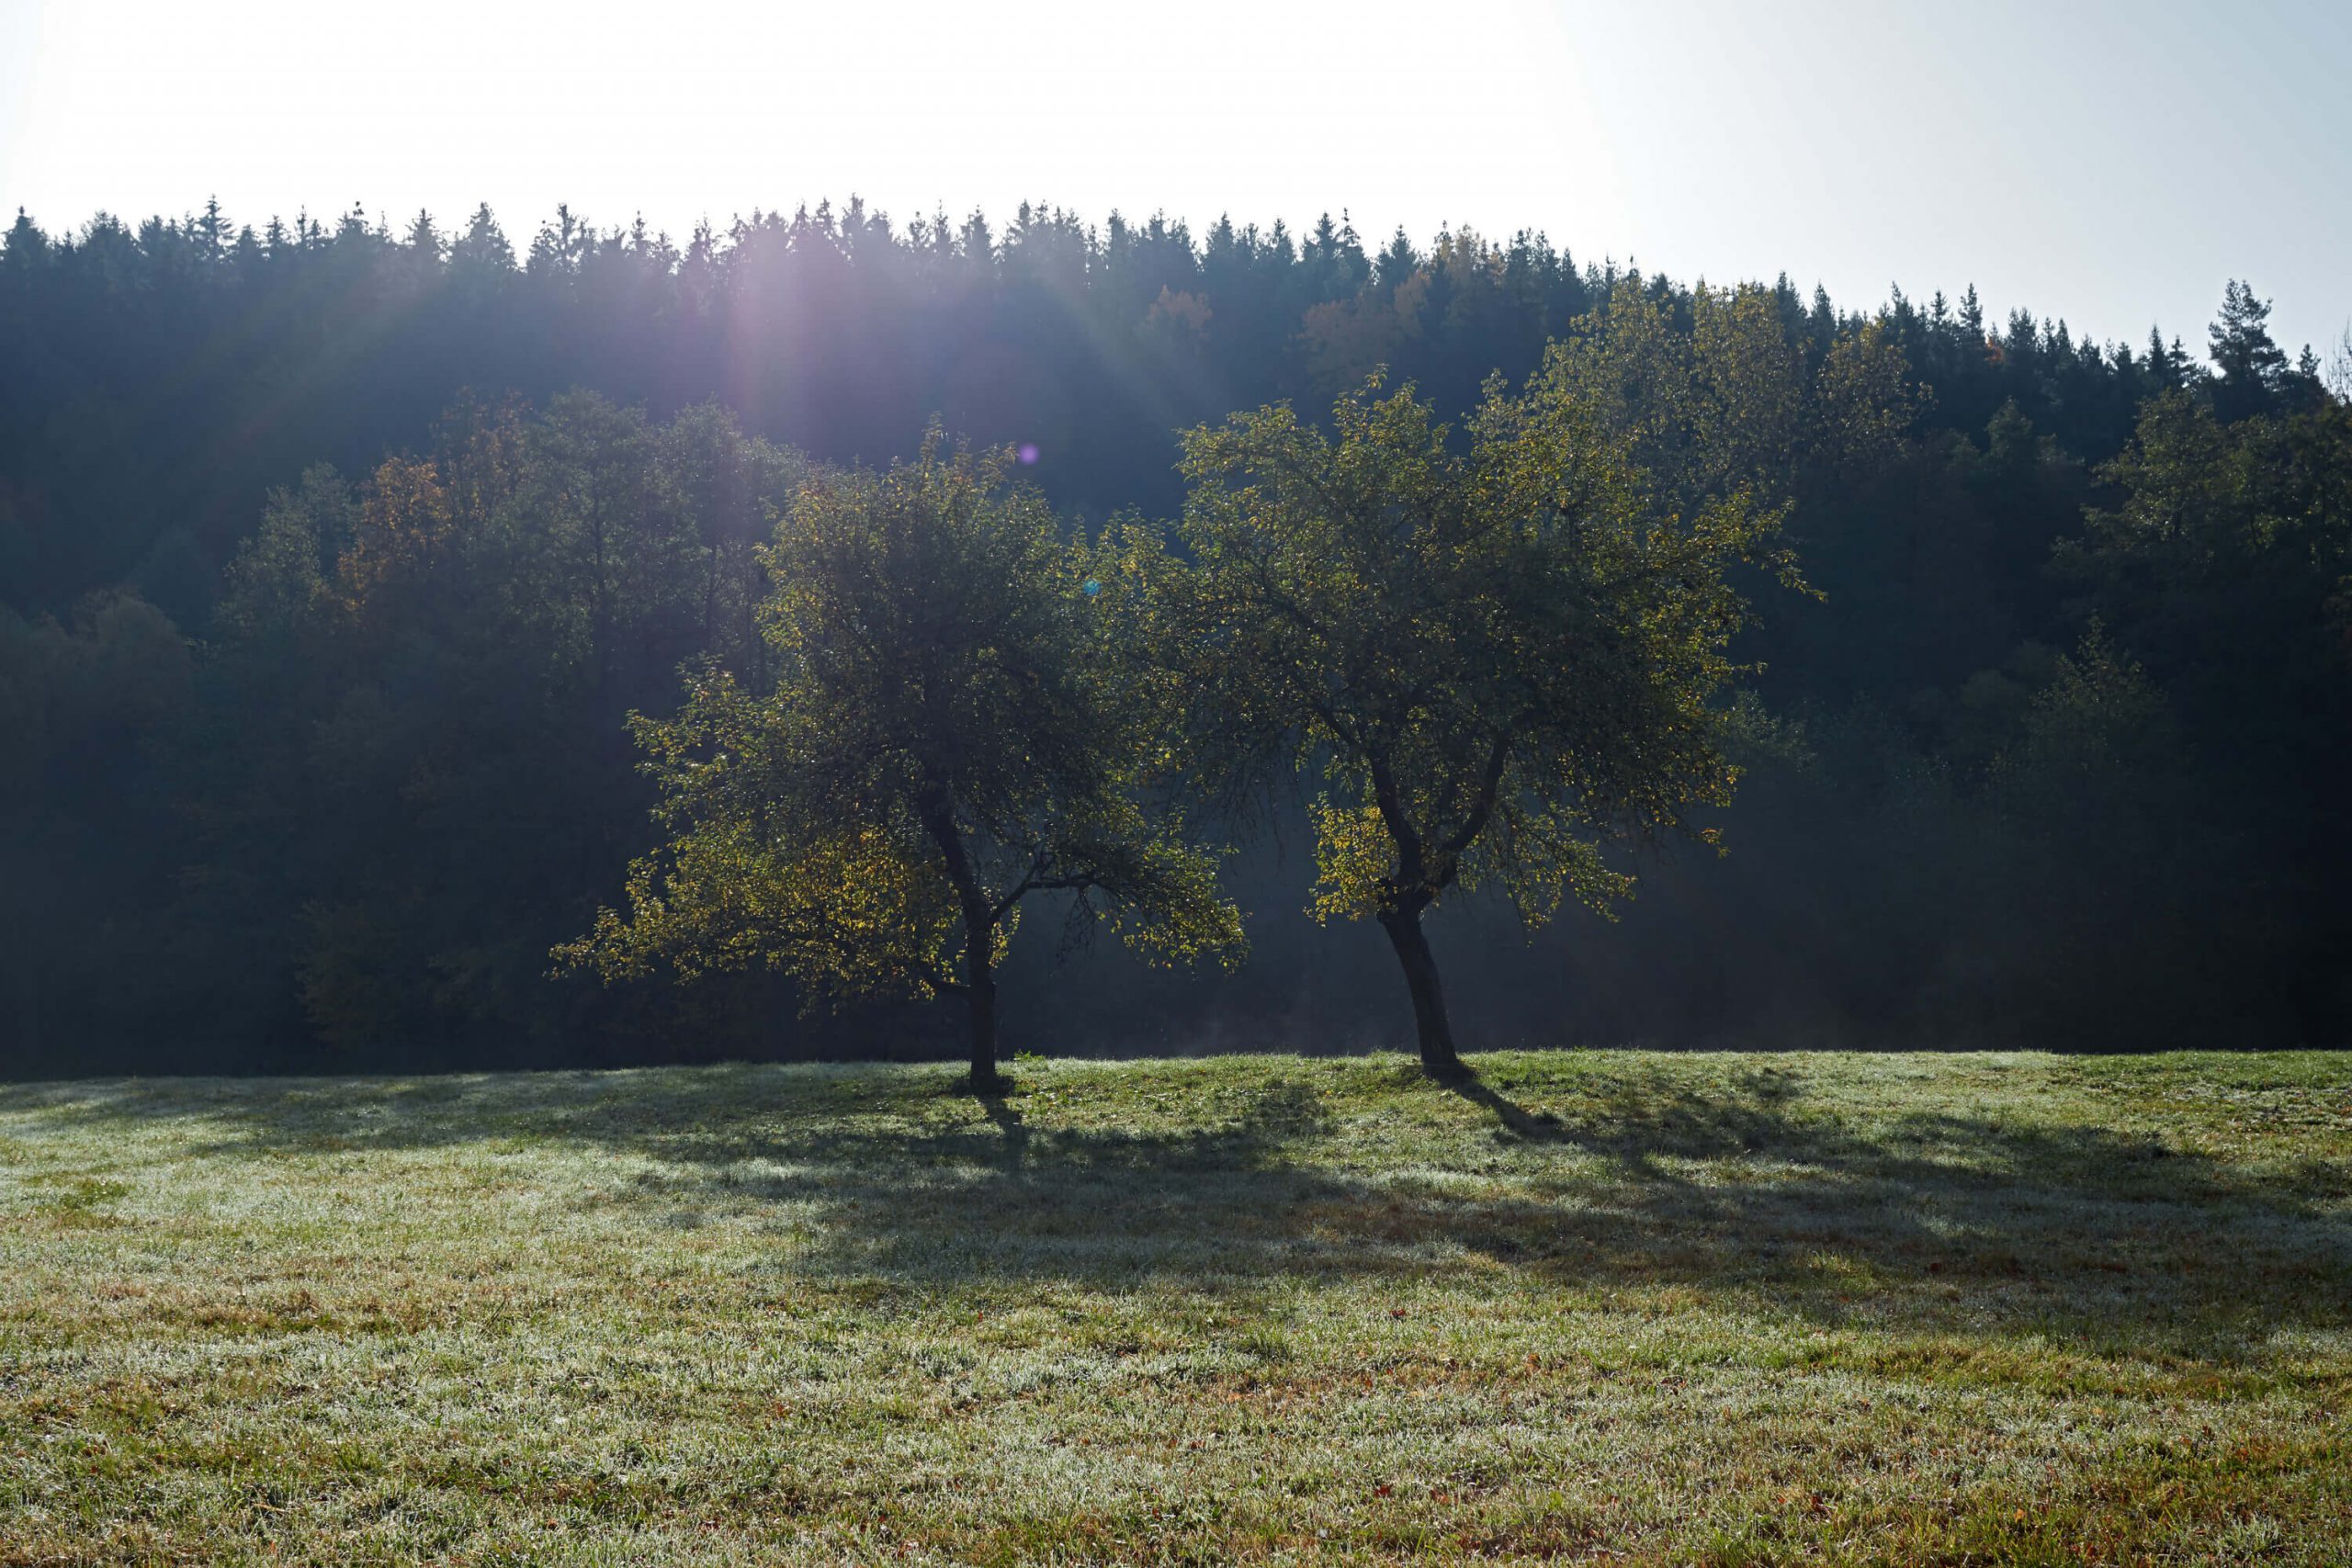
(334, 559)
(162, 378)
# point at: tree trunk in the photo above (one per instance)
(938, 816)
(1439, 1059)
(979, 994)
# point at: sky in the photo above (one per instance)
(2113, 164)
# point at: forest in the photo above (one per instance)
(337, 559)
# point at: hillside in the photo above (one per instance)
(335, 558)
(1607, 1306)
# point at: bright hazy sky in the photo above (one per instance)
(2109, 160)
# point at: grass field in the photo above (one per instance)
(1721, 1309)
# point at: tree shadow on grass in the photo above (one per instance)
(1510, 1117)
(1736, 1190)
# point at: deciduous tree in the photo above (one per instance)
(1488, 656)
(946, 737)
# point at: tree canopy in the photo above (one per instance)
(945, 736)
(1493, 649)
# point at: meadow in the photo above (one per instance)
(1590, 1306)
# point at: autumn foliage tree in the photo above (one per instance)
(946, 737)
(1493, 651)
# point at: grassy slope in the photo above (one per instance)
(1701, 1308)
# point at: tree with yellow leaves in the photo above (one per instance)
(1496, 653)
(947, 736)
